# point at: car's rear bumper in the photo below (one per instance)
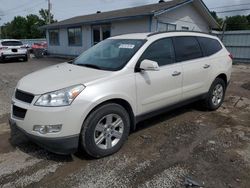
(62, 145)
(9, 56)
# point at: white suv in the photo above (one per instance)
(94, 101)
(11, 48)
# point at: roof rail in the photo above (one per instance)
(182, 31)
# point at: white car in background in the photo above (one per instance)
(11, 48)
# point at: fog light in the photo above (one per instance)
(44, 129)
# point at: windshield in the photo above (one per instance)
(110, 54)
(12, 43)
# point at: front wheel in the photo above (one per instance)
(105, 130)
(216, 94)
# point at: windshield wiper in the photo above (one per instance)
(89, 65)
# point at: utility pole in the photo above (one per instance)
(49, 12)
(223, 30)
(0, 29)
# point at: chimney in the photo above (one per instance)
(161, 1)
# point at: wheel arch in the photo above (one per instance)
(223, 76)
(124, 103)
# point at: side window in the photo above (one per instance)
(166, 27)
(209, 46)
(75, 36)
(186, 48)
(161, 51)
(54, 37)
(184, 28)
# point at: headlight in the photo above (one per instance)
(62, 97)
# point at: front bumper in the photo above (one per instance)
(59, 145)
(70, 117)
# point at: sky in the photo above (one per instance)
(63, 9)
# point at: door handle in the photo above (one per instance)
(176, 73)
(206, 66)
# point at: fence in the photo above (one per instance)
(237, 43)
(32, 41)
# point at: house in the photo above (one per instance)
(77, 34)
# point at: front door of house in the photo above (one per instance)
(100, 32)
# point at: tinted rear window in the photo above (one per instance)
(187, 48)
(12, 43)
(161, 51)
(209, 46)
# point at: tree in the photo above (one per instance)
(248, 18)
(26, 27)
(215, 16)
(237, 23)
(44, 13)
(16, 28)
(33, 22)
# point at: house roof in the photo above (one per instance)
(129, 13)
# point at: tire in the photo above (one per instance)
(215, 98)
(25, 59)
(97, 140)
(2, 59)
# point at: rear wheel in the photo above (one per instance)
(216, 94)
(25, 59)
(2, 59)
(105, 130)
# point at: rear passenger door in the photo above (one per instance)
(157, 89)
(196, 70)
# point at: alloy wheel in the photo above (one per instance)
(217, 94)
(108, 131)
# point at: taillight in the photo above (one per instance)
(3, 48)
(23, 47)
(231, 56)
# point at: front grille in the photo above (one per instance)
(18, 112)
(23, 96)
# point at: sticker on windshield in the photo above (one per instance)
(127, 46)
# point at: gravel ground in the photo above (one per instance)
(211, 148)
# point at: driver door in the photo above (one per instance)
(158, 89)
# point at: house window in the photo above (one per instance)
(75, 36)
(185, 28)
(100, 32)
(166, 26)
(54, 37)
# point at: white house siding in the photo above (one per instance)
(87, 37)
(139, 25)
(184, 16)
(64, 49)
(187, 16)
(117, 28)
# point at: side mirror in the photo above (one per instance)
(148, 65)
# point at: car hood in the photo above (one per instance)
(58, 77)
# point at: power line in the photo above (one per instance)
(229, 6)
(27, 8)
(235, 10)
(18, 7)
